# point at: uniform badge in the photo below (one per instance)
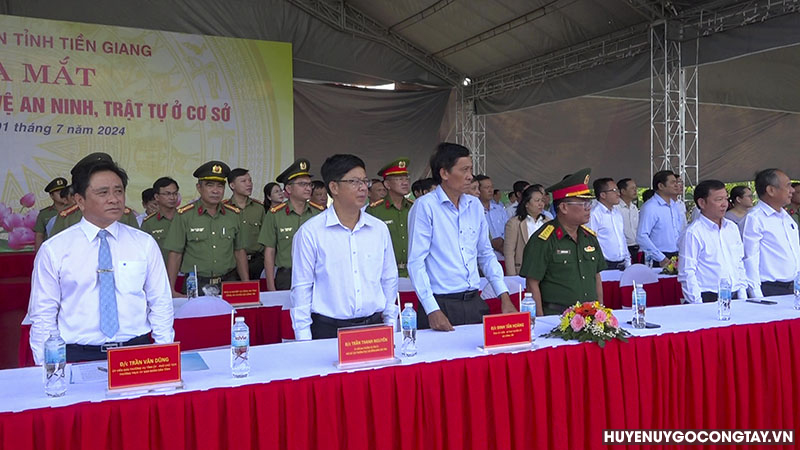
(586, 180)
(217, 169)
(388, 222)
(401, 164)
(303, 165)
(588, 249)
(197, 230)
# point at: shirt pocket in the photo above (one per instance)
(469, 242)
(198, 234)
(131, 276)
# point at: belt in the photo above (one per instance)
(401, 265)
(138, 340)
(254, 255)
(782, 284)
(281, 269)
(214, 280)
(344, 322)
(458, 295)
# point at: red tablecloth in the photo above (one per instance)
(736, 377)
(267, 326)
(666, 292)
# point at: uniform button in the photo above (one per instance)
(213, 232)
(213, 246)
(583, 277)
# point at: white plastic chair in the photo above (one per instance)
(203, 307)
(277, 298)
(404, 285)
(639, 273)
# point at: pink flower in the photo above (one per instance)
(11, 221)
(20, 237)
(613, 322)
(28, 200)
(577, 322)
(600, 316)
(29, 220)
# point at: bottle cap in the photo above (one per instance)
(54, 332)
(529, 294)
(408, 305)
(240, 319)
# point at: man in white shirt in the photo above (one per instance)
(711, 248)
(630, 214)
(343, 267)
(496, 217)
(607, 222)
(771, 243)
(100, 283)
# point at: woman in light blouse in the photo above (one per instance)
(526, 221)
(739, 202)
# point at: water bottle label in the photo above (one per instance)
(241, 340)
(528, 307)
(409, 322)
(55, 355)
(641, 300)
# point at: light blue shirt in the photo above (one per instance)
(660, 227)
(447, 246)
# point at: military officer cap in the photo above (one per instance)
(572, 186)
(56, 185)
(397, 167)
(299, 168)
(212, 171)
(90, 158)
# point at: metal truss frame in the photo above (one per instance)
(471, 130)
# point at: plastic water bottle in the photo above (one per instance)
(191, 285)
(408, 323)
(639, 305)
(724, 299)
(55, 363)
(240, 349)
(528, 305)
(797, 292)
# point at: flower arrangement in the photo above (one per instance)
(19, 226)
(589, 322)
(672, 267)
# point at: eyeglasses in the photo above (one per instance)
(587, 204)
(302, 184)
(611, 190)
(356, 183)
(169, 194)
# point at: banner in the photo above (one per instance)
(159, 103)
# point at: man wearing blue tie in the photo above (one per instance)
(117, 301)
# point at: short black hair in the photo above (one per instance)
(422, 185)
(336, 166)
(623, 183)
(496, 191)
(522, 211)
(480, 178)
(84, 172)
(445, 157)
(661, 177)
(148, 195)
(164, 182)
(764, 178)
(375, 181)
(236, 173)
(66, 192)
(317, 184)
(520, 186)
(599, 185)
(704, 188)
(647, 195)
(736, 192)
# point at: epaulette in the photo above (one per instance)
(185, 208)
(318, 206)
(232, 208)
(410, 201)
(588, 230)
(126, 210)
(68, 211)
(277, 208)
(149, 216)
(545, 234)
(375, 203)
(226, 201)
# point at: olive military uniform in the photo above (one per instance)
(252, 218)
(397, 222)
(45, 214)
(566, 269)
(157, 226)
(280, 225)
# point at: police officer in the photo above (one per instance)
(206, 234)
(562, 260)
(252, 217)
(393, 209)
(72, 215)
(157, 224)
(282, 222)
(54, 189)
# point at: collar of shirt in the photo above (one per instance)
(331, 219)
(464, 200)
(91, 230)
(201, 209)
(660, 200)
(708, 223)
(769, 211)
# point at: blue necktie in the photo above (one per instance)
(109, 321)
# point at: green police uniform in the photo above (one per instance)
(73, 215)
(395, 219)
(281, 223)
(252, 218)
(565, 268)
(45, 214)
(157, 226)
(794, 213)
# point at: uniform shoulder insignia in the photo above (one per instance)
(545, 234)
(149, 216)
(315, 205)
(185, 208)
(375, 203)
(277, 208)
(588, 230)
(226, 201)
(255, 200)
(232, 208)
(68, 211)
(410, 201)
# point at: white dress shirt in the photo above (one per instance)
(630, 221)
(609, 226)
(65, 289)
(342, 273)
(709, 253)
(449, 243)
(532, 224)
(496, 219)
(771, 246)
(511, 209)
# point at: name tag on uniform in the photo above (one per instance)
(563, 252)
(286, 230)
(158, 231)
(197, 230)
(388, 222)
